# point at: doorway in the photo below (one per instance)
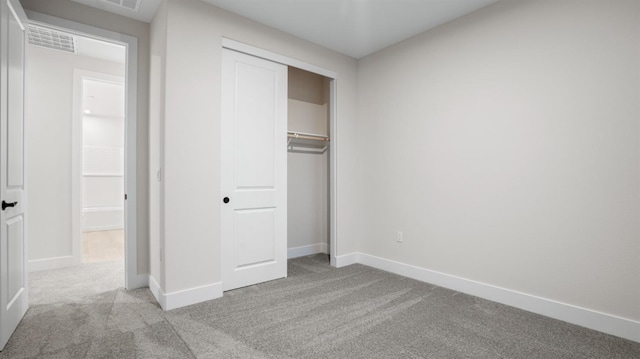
(101, 166)
(76, 108)
(102, 212)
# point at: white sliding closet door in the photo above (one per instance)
(254, 170)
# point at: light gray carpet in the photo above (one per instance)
(318, 312)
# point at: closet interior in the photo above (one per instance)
(308, 163)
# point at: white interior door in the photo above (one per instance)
(254, 170)
(13, 254)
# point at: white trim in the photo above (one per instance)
(606, 323)
(154, 287)
(139, 281)
(103, 175)
(183, 298)
(131, 106)
(101, 209)
(36, 265)
(347, 259)
(102, 228)
(303, 251)
(92, 115)
(99, 212)
(272, 56)
(18, 12)
(333, 128)
(333, 176)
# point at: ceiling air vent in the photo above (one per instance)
(53, 39)
(127, 4)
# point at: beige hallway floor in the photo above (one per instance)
(100, 246)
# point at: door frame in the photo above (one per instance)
(133, 280)
(333, 133)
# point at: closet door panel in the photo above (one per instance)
(254, 170)
(255, 123)
(254, 236)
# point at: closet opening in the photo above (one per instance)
(308, 165)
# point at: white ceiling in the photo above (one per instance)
(353, 27)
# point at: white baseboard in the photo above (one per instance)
(154, 287)
(114, 227)
(51, 263)
(137, 281)
(607, 323)
(347, 259)
(302, 251)
(183, 298)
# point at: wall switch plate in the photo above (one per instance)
(399, 237)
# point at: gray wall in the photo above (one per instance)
(505, 146)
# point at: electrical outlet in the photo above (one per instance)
(399, 237)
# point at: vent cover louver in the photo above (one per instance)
(128, 4)
(53, 39)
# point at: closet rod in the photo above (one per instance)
(307, 136)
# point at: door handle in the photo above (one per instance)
(225, 200)
(5, 205)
